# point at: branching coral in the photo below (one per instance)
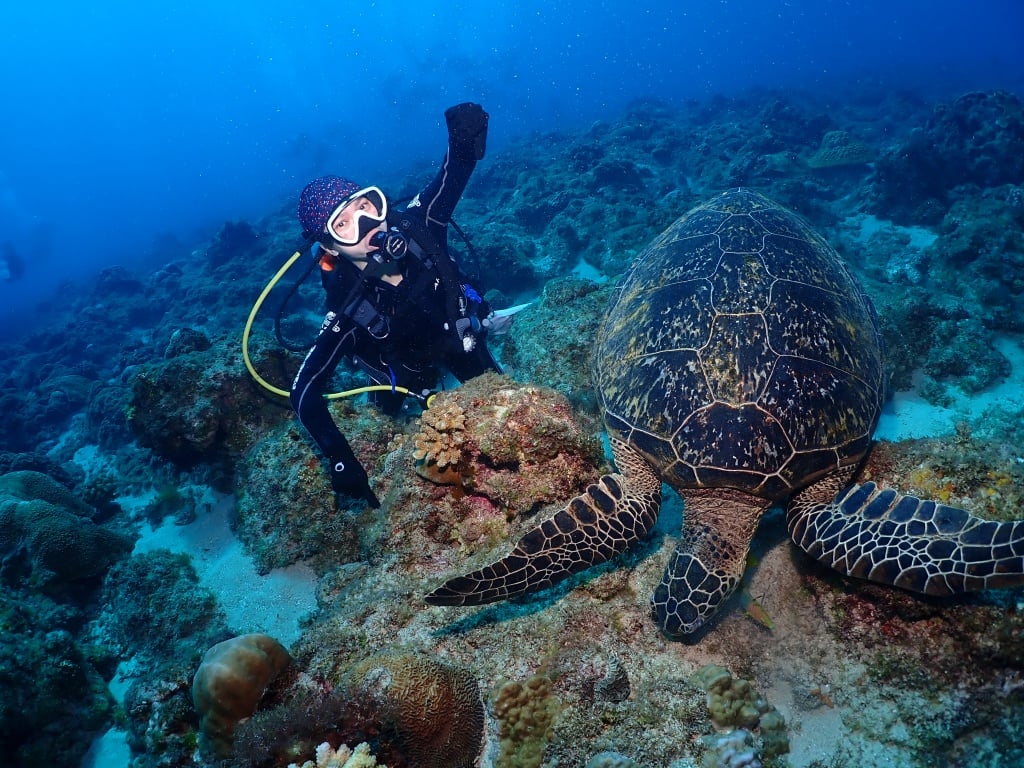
(526, 713)
(733, 702)
(441, 437)
(342, 757)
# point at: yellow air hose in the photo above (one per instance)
(277, 390)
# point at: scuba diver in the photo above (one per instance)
(398, 306)
(11, 266)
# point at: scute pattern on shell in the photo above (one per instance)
(726, 342)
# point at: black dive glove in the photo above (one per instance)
(348, 476)
(467, 130)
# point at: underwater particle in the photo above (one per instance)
(435, 709)
(526, 713)
(230, 682)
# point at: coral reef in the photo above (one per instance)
(286, 508)
(517, 445)
(551, 344)
(155, 608)
(235, 239)
(54, 697)
(230, 682)
(186, 340)
(900, 680)
(976, 139)
(417, 711)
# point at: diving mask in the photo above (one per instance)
(360, 213)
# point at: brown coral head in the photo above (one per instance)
(838, 148)
(231, 681)
(434, 710)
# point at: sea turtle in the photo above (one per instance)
(740, 362)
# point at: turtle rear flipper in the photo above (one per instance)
(592, 528)
(916, 544)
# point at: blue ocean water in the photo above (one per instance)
(134, 126)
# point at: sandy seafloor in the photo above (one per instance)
(284, 596)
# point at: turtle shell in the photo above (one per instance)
(738, 351)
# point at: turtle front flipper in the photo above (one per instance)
(920, 545)
(592, 528)
(709, 560)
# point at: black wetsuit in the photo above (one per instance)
(400, 333)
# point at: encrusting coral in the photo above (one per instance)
(230, 682)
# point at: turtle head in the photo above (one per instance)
(709, 560)
(689, 594)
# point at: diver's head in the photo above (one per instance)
(342, 215)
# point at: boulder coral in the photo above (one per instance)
(199, 406)
(434, 710)
(838, 148)
(230, 682)
(47, 537)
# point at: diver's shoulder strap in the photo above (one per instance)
(456, 303)
(359, 309)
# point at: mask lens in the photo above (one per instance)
(351, 221)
